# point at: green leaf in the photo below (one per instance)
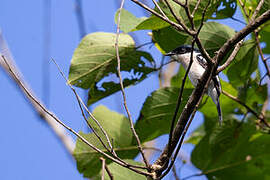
(244, 64)
(213, 36)
(152, 23)
(265, 37)
(234, 150)
(225, 9)
(157, 113)
(167, 39)
(128, 21)
(228, 106)
(121, 173)
(137, 72)
(251, 5)
(253, 95)
(95, 60)
(117, 127)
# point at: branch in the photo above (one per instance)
(261, 54)
(231, 58)
(249, 109)
(122, 87)
(81, 103)
(10, 68)
(34, 100)
(163, 14)
(241, 35)
(177, 26)
(197, 92)
(106, 168)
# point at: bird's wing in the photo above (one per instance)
(201, 61)
(217, 84)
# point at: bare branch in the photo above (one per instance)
(231, 58)
(186, 29)
(195, 9)
(10, 68)
(241, 35)
(261, 54)
(197, 92)
(122, 87)
(107, 169)
(249, 109)
(177, 26)
(183, 135)
(161, 11)
(179, 100)
(47, 112)
(258, 8)
(102, 168)
(80, 102)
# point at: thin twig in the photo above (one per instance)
(186, 29)
(184, 134)
(261, 54)
(29, 95)
(9, 66)
(177, 26)
(175, 173)
(102, 168)
(238, 20)
(108, 172)
(231, 58)
(80, 102)
(160, 10)
(186, 8)
(244, 9)
(258, 8)
(260, 117)
(122, 87)
(179, 100)
(195, 9)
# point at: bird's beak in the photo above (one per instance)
(169, 54)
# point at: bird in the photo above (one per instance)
(182, 54)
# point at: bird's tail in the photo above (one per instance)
(219, 112)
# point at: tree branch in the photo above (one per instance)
(10, 68)
(122, 88)
(231, 58)
(249, 109)
(241, 35)
(197, 92)
(34, 100)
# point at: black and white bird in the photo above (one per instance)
(182, 55)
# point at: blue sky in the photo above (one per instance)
(29, 149)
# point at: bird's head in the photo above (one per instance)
(184, 49)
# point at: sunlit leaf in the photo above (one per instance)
(117, 127)
(213, 36)
(244, 64)
(127, 20)
(95, 60)
(121, 173)
(168, 38)
(157, 113)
